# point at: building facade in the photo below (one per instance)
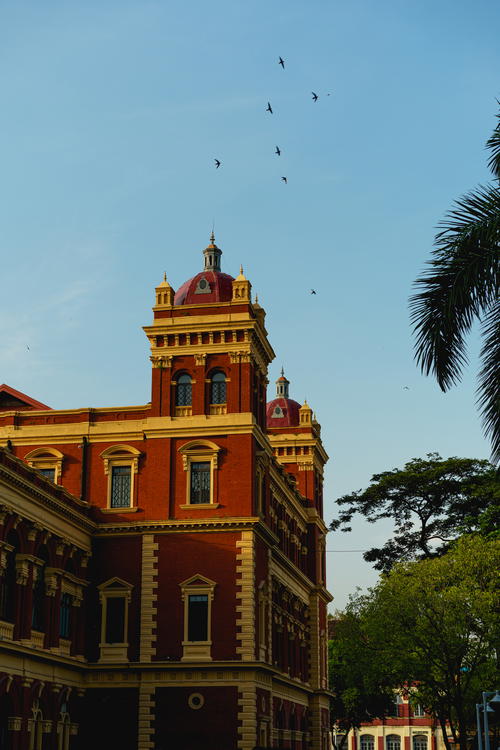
(409, 728)
(163, 565)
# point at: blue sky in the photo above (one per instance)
(112, 114)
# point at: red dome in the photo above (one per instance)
(282, 412)
(195, 292)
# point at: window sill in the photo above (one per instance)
(119, 510)
(201, 506)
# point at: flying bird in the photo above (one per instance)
(27, 347)
(312, 291)
(284, 180)
(405, 388)
(217, 163)
(269, 108)
(314, 96)
(282, 63)
(278, 151)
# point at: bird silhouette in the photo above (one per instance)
(269, 108)
(312, 291)
(282, 63)
(284, 180)
(314, 96)
(217, 163)
(405, 388)
(278, 151)
(27, 347)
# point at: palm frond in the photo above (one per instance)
(460, 285)
(489, 379)
(493, 144)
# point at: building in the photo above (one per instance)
(163, 565)
(409, 728)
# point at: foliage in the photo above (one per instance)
(361, 686)
(436, 623)
(460, 286)
(432, 502)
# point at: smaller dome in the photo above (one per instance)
(282, 412)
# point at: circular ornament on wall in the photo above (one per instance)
(196, 701)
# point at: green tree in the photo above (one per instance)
(432, 501)
(436, 623)
(460, 286)
(361, 685)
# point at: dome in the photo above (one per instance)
(208, 286)
(282, 412)
(205, 287)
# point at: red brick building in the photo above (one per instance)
(409, 728)
(163, 565)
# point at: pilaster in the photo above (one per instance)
(145, 739)
(247, 717)
(245, 607)
(149, 584)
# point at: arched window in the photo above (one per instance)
(393, 742)
(183, 391)
(36, 728)
(121, 463)
(419, 742)
(367, 742)
(218, 388)
(48, 461)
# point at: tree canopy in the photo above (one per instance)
(362, 687)
(431, 500)
(436, 622)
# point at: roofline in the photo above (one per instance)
(24, 397)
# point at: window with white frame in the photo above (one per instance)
(419, 742)
(393, 742)
(48, 461)
(121, 464)
(115, 596)
(367, 742)
(418, 710)
(200, 462)
(197, 595)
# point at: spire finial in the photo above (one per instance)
(282, 371)
(241, 269)
(212, 237)
(256, 299)
(164, 275)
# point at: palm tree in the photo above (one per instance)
(461, 285)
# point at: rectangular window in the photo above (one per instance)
(200, 482)
(49, 473)
(65, 617)
(37, 613)
(198, 617)
(115, 619)
(120, 486)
